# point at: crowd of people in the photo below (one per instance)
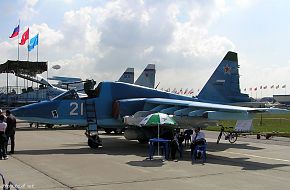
(7, 133)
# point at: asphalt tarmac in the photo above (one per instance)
(60, 159)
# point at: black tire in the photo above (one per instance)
(268, 136)
(92, 143)
(118, 131)
(108, 131)
(219, 138)
(49, 126)
(232, 137)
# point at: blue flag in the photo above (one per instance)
(33, 42)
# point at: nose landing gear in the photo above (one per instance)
(94, 141)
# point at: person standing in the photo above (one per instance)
(176, 145)
(3, 139)
(1, 113)
(10, 131)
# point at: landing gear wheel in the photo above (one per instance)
(108, 131)
(94, 142)
(49, 126)
(118, 131)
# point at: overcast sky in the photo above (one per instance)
(186, 40)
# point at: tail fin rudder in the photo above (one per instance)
(224, 84)
(147, 77)
(127, 76)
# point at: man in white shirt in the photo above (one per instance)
(3, 139)
(198, 138)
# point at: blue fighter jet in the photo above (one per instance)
(110, 102)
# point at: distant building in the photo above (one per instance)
(283, 99)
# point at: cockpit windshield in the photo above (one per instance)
(69, 95)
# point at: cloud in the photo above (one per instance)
(48, 36)
(123, 34)
(80, 33)
(101, 40)
(194, 41)
(28, 12)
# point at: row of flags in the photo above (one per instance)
(265, 87)
(191, 92)
(25, 36)
(181, 91)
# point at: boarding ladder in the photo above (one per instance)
(94, 140)
(91, 115)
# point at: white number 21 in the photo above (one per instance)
(74, 108)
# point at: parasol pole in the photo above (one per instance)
(158, 139)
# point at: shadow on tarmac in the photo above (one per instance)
(120, 146)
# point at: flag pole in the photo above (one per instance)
(7, 83)
(18, 41)
(17, 57)
(37, 48)
(28, 46)
(27, 54)
(37, 51)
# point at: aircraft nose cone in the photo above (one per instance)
(32, 112)
(18, 111)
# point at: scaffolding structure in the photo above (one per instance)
(19, 68)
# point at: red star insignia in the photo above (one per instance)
(227, 69)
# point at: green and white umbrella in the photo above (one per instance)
(159, 119)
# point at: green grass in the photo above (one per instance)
(267, 123)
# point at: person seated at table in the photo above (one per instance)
(198, 138)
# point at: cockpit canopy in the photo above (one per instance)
(69, 95)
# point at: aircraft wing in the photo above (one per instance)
(194, 109)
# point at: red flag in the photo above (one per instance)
(25, 36)
(181, 91)
(191, 91)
